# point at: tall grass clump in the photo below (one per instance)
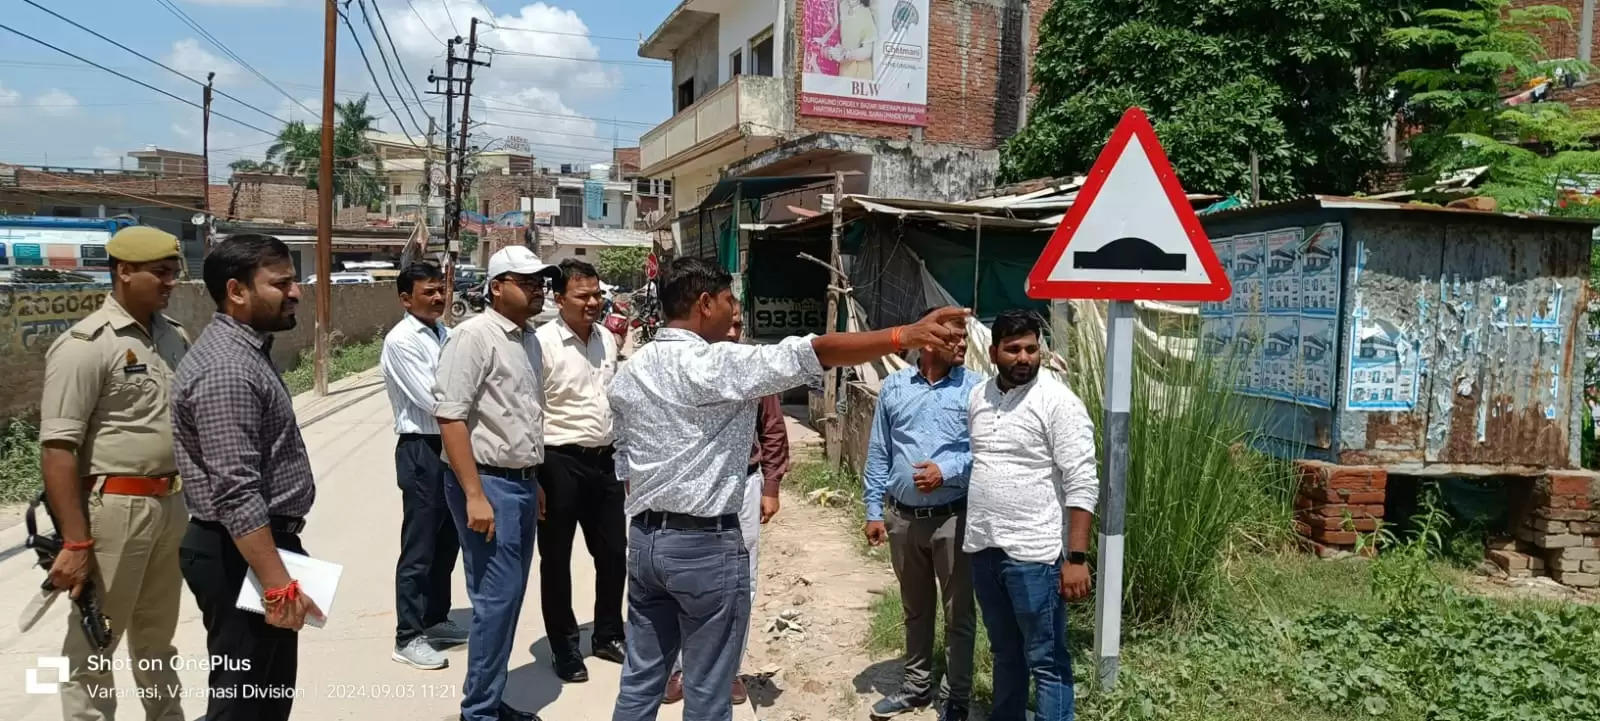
(1196, 488)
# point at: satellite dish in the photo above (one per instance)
(198, 219)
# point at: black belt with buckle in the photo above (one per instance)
(277, 524)
(683, 522)
(939, 511)
(583, 450)
(514, 474)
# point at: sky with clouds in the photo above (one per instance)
(569, 80)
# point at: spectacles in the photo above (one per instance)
(526, 282)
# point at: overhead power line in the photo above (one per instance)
(131, 79)
(452, 18)
(516, 109)
(147, 58)
(424, 21)
(591, 36)
(633, 63)
(378, 10)
(181, 15)
(383, 58)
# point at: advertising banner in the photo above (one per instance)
(866, 60)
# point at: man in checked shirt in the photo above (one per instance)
(247, 478)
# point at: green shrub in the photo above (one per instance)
(343, 360)
(19, 463)
(1196, 490)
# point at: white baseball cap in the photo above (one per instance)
(517, 259)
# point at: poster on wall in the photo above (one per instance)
(1247, 334)
(1319, 270)
(1383, 367)
(1282, 278)
(1280, 356)
(1249, 251)
(865, 60)
(1223, 247)
(1317, 362)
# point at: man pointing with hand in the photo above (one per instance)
(685, 412)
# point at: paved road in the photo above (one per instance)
(345, 670)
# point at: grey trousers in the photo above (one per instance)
(689, 591)
(926, 552)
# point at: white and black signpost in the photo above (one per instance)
(1130, 235)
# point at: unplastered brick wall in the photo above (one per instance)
(1555, 531)
(1560, 39)
(973, 74)
(284, 198)
(1335, 504)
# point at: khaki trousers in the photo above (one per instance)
(137, 578)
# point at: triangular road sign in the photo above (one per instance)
(1131, 234)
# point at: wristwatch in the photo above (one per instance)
(1077, 558)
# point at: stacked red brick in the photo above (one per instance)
(1557, 532)
(1337, 503)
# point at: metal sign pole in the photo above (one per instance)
(1114, 489)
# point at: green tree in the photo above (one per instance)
(356, 165)
(622, 266)
(247, 165)
(1301, 83)
(1537, 153)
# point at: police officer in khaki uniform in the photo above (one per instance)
(111, 479)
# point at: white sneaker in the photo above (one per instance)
(421, 654)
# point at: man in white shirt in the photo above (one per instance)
(428, 542)
(684, 410)
(579, 473)
(1030, 505)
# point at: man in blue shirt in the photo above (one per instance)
(917, 466)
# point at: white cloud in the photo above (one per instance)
(8, 96)
(105, 157)
(190, 59)
(57, 102)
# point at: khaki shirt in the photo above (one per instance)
(108, 391)
(576, 376)
(488, 376)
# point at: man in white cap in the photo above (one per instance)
(489, 404)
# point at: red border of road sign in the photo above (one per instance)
(1133, 124)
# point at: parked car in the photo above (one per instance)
(348, 277)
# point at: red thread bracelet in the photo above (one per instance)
(276, 596)
(894, 338)
(78, 545)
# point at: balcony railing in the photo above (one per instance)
(756, 104)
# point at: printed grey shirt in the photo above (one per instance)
(684, 413)
(239, 450)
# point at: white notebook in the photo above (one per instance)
(318, 580)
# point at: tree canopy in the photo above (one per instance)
(1301, 83)
(298, 151)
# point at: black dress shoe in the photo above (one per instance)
(510, 714)
(612, 651)
(572, 670)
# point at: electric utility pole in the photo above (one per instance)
(205, 163)
(330, 34)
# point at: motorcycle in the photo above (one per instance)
(468, 299)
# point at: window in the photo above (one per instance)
(761, 53)
(666, 187)
(396, 189)
(580, 251)
(736, 63)
(641, 186)
(685, 94)
(571, 208)
(605, 209)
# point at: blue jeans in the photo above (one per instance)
(1027, 620)
(688, 591)
(497, 579)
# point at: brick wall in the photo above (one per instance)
(973, 76)
(176, 189)
(504, 193)
(1560, 39)
(277, 197)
